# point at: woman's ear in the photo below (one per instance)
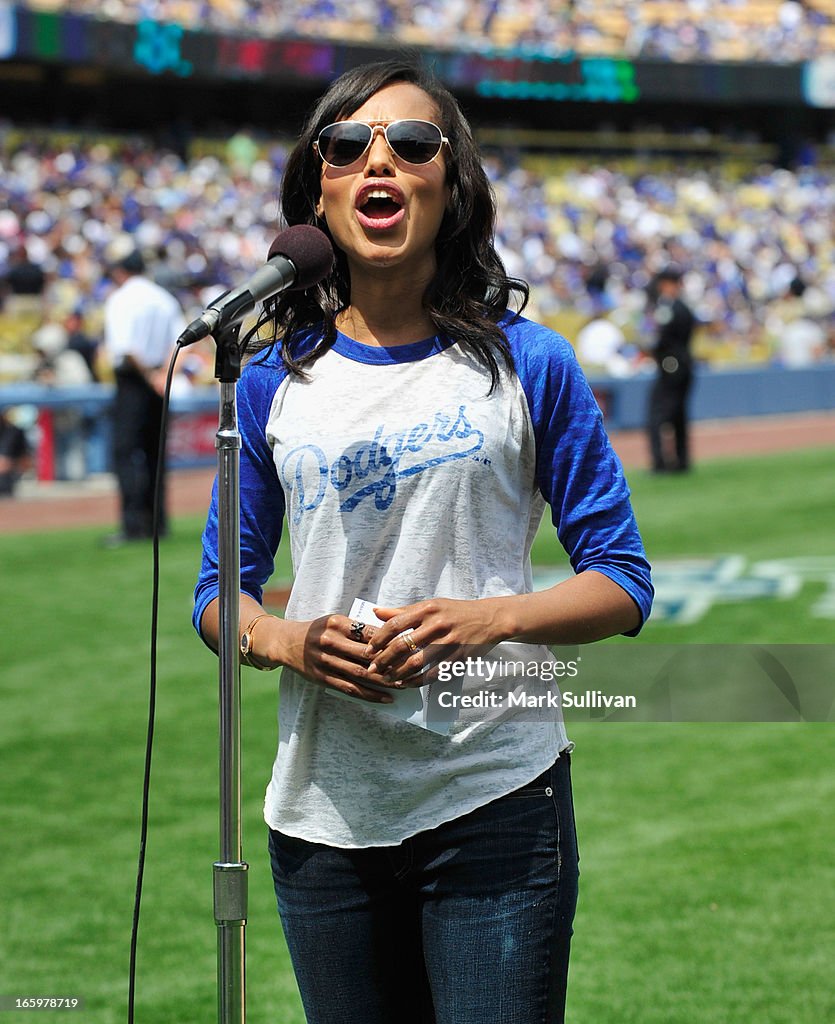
(320, 209)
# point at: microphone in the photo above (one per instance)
(298, 258)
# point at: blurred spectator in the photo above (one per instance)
(166, 273)
(15, 455)
(141, 325)
(79, 341)
(241, 152)
(799, 339)
(596, 282)
(601, 345)
(673, 323)
(59, 366)
(23, 283)
(191, 373)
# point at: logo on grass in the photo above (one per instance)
(687, 588)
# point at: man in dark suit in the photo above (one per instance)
(674, 324)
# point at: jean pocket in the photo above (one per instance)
(541, 786)
(287, 853)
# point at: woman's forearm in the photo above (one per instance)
(587, 607)
(264, 635)
(584, 608)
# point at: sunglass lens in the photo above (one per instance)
(341, 144)
(417, 142)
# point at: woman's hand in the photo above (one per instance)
(456, 629)
(329, 650)
(580, 610)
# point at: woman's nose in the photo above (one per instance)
(379, 158)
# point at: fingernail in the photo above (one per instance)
(371, 668)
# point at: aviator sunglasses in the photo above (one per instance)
(414, 142)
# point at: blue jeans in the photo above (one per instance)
(466, 923)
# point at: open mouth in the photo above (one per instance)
(378, 205)
(379, 208)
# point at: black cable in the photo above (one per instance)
(152, 696)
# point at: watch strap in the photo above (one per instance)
(245, 645)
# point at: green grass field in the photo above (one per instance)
(708, 887)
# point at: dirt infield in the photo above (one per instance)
(95, 503)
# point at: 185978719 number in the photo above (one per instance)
(41, 1003)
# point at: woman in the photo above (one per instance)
(412, 429)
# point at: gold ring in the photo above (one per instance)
(409, 641)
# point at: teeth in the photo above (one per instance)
(380, 193)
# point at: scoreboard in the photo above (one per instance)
(154, 48)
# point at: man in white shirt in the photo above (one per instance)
(142, 322)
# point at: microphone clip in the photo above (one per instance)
(228, 354)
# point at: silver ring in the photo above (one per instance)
(356, 631)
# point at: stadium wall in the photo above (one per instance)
(724, 394)
(718, 395)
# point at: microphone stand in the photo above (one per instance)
(230, 871)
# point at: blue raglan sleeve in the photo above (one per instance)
(577, 470)
(262, 499)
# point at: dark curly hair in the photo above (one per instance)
(470, 291)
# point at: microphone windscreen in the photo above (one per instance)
(310, 252)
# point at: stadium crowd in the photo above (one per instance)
(687, 30)
(588, 235)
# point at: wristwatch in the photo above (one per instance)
(246, 645)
